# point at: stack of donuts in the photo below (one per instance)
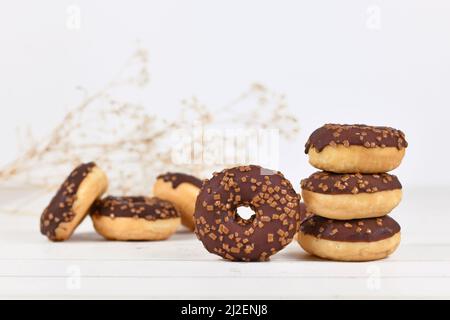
(125, 218)
(352, 195)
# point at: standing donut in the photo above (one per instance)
(269, 194)
(356, 148)
(182, 190)
(71, 204)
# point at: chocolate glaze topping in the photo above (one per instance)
(304, 214)
(357, 230)
(333, 183)
(271, 228)
(135, 207)
(178, 178)
(355, 135)
(60, 208)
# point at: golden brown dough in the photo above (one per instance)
(342, 159)
(349, 251)
(134, 229)
(183, 198)
(352, 206)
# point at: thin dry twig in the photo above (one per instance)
(130, 144)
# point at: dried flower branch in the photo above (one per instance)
(132, 145)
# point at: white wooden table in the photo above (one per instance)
(89, 267)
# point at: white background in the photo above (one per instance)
(376, 62)
(337, 61)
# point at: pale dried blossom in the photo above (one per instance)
(129, 143)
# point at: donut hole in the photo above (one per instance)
(246, 213)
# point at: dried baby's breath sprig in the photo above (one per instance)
(256, 107)
(131, 144)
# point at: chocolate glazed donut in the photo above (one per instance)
(182, 190)
(67, 209)
(351, 196)
(134, 218)
(350, 240)
(356, 148)
(269, 194)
